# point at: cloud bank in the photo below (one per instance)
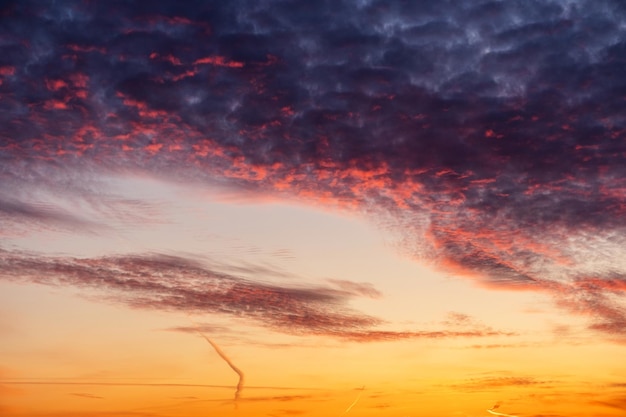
(492, 133)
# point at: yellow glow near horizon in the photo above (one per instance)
(71, 351)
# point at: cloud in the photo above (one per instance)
(40, 199)
(362, 289)
(492, 133)
(280, 398)
(454, 318)
(19, 216)
(617, 402)
(373, 335)
(199, 328)
(111, 384)
(494, 383)
(598, 299)
(499, 346)
(179, 284)
(170, 283)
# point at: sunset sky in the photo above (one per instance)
(313, 208)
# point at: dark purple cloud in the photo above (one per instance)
(492, 132)
(170, 283)
(15, 212)
(179, 284)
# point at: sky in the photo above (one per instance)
(284, 208)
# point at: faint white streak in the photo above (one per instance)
(358, 397)
(495, 413)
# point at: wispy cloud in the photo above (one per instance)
(181, 284)
(499, 346)
(498, 382)
(279, 398)
(36, 201)
(21, 217)
(171, 283)
(617, 402)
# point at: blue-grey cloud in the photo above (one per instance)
(492, 132)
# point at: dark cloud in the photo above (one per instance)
(492, 131)
(15, 212)
(34, 198)
(170, 283)
(599, 299)
(178, 284)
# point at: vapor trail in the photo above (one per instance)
(495, 413)
(233, 367)
(358, 397)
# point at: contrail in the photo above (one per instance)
(234, 368)
(495, 413)
(358, 397)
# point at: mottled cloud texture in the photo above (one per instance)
(169, 283)
(492, 133)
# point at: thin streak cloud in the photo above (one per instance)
(172, 283)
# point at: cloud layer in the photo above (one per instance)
(169, 283)
(493, 133)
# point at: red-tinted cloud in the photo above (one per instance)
(171, 283)
(492, 134)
